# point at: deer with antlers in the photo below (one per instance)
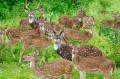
(1, 33)
(65, 50)
(31, 20)
(14, 34)
(53, 70)
(92, 64)
(36, 41)
(107, 23)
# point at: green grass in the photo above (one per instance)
(11, 69)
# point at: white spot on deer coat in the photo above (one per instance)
(31, 20)
(80, 19)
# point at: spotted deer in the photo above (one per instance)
(84, 36)
(71, 22)
(92, 64)
(36, 42)
(31, 20)
(1, 33)
(81, 13)
(107, 23)
(47, 25)
(14, 34)
(65, 50)
(53, 70)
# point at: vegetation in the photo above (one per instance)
(12, 10)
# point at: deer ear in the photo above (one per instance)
(36, 52)
(26, 11)
(34, 12)
(6, 26)
(45, 19)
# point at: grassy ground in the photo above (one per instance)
(11, 69)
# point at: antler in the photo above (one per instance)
(37, 6)
(27, 6)
(63, 27)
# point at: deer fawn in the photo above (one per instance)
(107, 23)
(92, 64)
(14, 34)
(53, 70)
(31, 20)
(1, 33)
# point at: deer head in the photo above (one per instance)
(42, 11)
(2, 29)
(115, 14)
(31, 13)
(31, 56)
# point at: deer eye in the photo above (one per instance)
(28, 55)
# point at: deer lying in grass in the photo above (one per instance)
(92, 64)
(107, 23)
(31, 20)
(14, 34)
(118, 52)
(84, 36)
(65, 50)
(1, 33)
(53, 70)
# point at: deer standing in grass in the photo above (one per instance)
(35, 41)
(92, 64)
(31, 20)
(14, 34)
(84, 36)
(1, 33)
(72, 22)
(65, 50)
(53, 70)
(107, 23)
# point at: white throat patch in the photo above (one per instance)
(31, 20)
(73, 55)
(80, 19)
(90, 31)
(1, 36)
(30, 64)
(42, 28)
(56, 46)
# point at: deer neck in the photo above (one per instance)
(31, 20)
(34, 67)
(75, 58)
(56, 46)
(90, 30)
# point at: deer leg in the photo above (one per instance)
(22, 52)
(73, 26)
(67, 76)
(3, 46)
(106, 75)
(11, 45)
(82, 75)
(44, 55)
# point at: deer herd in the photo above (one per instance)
(86, 58)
